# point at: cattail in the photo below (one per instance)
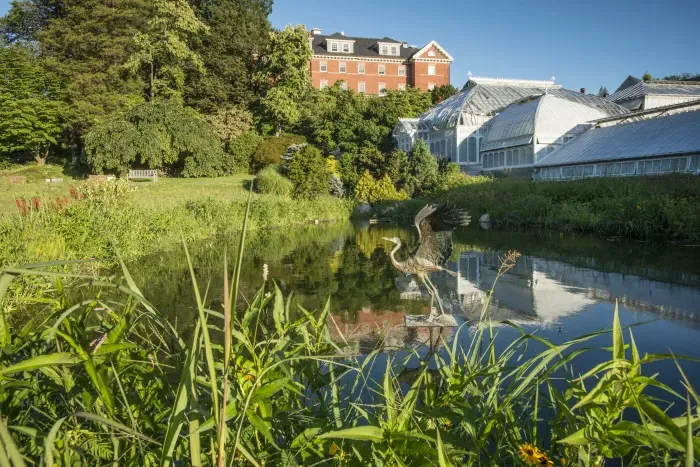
(265, 272)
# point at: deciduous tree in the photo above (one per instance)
(441, 93)
(163, 51)
(284, 77)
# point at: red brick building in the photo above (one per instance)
(371, 66)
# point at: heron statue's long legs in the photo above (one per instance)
(430, 292)
(437, 294)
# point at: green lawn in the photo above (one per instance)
(164, 194)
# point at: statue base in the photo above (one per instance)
(421, 321)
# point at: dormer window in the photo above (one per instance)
(385, 50)
(388, 49)
(394, 50)
(334, 46)
(346, 47)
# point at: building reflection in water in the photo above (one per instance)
(535, 291)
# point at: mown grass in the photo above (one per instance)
(665, 207)
(108, 381)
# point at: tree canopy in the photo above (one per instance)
(32, 110)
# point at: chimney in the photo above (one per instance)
(583, 90)
(404, 45)
(316, 32)
(342, 33)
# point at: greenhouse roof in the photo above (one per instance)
(658, 136)
(487, 96)
(548, 117)
(644, 88)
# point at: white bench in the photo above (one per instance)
(142, 175)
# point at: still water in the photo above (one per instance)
(561, 287)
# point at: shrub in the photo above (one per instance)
(422, 174)
(231, 122)
(160, 135)
(369, 190)
(271, 150)
(271, 182)
(452, 177)
(309, 174)
(335, 185)
(240, 152)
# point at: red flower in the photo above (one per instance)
(35, 202)
(21, 204)
(74, 193)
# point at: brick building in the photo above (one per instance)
(371, 66)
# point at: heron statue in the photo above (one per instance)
(435, 224)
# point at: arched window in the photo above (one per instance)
(501, 159)
(516, 157)
(463, 151)
(472, 150)
(509, 158)
(529, 156)
(442, 148)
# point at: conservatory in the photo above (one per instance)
(636, 94)
(659, 145)
(532, 128)
(456, 128)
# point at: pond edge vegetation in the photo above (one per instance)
(268, 385)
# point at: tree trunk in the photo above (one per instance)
(40, 157)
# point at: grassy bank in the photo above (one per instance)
(666, 207)
(109, 381)
(97, 220)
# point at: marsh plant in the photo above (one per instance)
(107, 380)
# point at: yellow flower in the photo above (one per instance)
(544, 461)
(529, 454)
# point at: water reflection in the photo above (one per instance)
(557, 283)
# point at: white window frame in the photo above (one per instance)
(381, 87)
(402, 70)
(431, 86)
(324, 84)
(384, 50)
(346, 45)
(381, 70)
(344, 85)
(431, 53)
(402, 86)
(394, 50)
(323, 67)
(361, 68)
(334, 47)
(362, 87)
(432, 70)
(342, 67)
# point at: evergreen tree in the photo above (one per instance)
(32, 111)
(86, 43)
(422, 170)
(239, 32)
(603, 92)
(284, 76)
(163, 51)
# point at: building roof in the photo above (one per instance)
(658, 136)
(363, 47)
(488, 96)
(547, 116)
(656, 87)
(629, 81)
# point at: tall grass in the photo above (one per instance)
(270, 181)
(664, 207)
(109, 381)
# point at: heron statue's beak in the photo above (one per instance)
(387, 239)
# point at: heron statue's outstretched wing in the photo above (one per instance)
(435, 224)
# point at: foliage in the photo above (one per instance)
(32, 112)
(453, 177)
(369, 190)
(86, 43)
(237, 33)
(240, 151)
(683, 77)
(284, 76)
(335, 185)
(270, 182)
(160, 135)
(441, 93)
(271, 150)
(659, 207)
(422, 176)
(111, 190)
(647, 77)
(163, 50)
(308, 172)
(230, 122)
(274, 387)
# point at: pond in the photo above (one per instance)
(562, 287)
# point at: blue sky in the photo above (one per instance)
(582, 44)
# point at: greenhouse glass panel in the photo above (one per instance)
(674, 165)
(657, 166)
(666, 165)
(472, 149)
(509, 158)
(693, 164)
(501, 159)
(530, 157)
(682, 164)
(516, 157)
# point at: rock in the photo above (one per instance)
(363, 208)
(485, 218)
